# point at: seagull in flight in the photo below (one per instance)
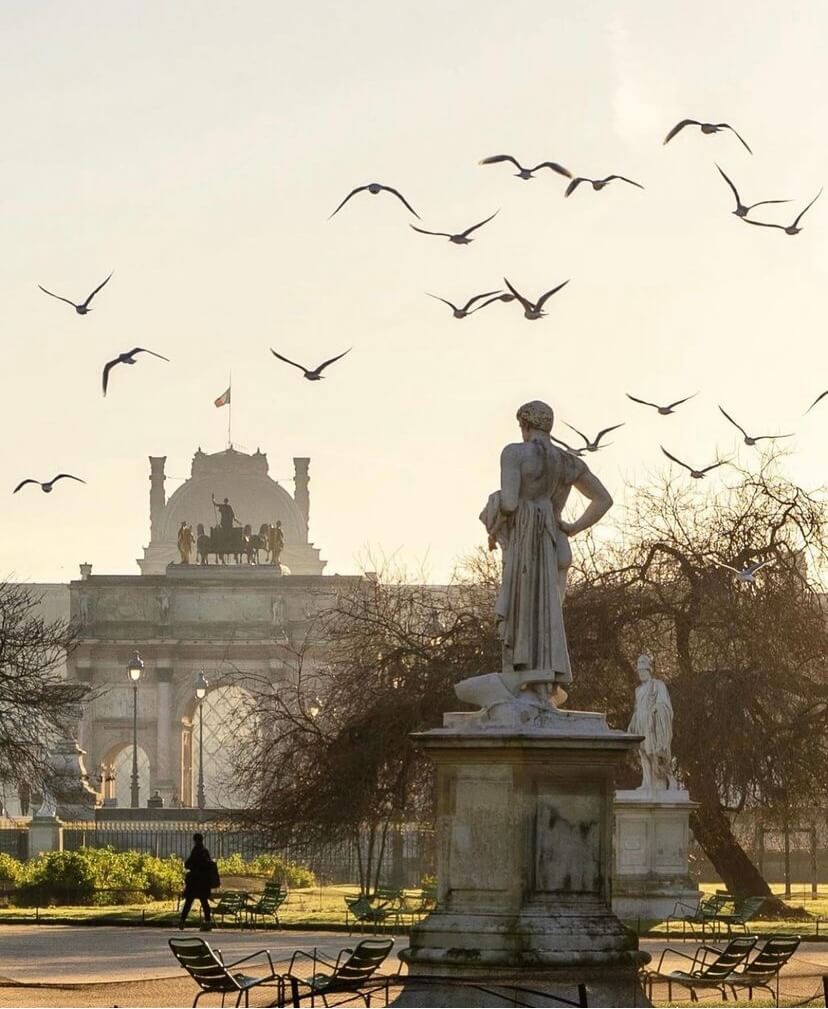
(821, 396)
(526, 173)
(598, 184)
(460, 238)
(49, 484)
(696, 474)
(315, 374)
(791, 229)
(747, 574)
(128, 357)
(743, 209)
(574, 451)
(532, 309)
(663, 410)
(461, 313)
(748, 439)
(83, 308)
(594, 445)
(705, 128)
(375, 187)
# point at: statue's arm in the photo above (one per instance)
(510, 478)
(600, 502)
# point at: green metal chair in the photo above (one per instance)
(353, 971)
(232, 904)
(207, 968)
(365, 911)
(268, 904)
(744, 910)
(703, 972)
(703, 914)
(762, 971)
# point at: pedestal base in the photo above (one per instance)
(652, 837)
(524, 827)
(45, 834)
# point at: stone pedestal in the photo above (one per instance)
(45, 834)
(652, 836)
(524, 829)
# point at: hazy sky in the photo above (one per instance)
(197, 148)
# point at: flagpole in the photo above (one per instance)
(230, 413)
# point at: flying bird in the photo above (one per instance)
(526, 173)
(574, 451)
(315, 374)
(532, 309)
(83, 307)
(748, 439)
(697, 474)
(461, 313)
(128, 357)
(705, 128)
(747, 574)
(461, 237)
(743, 209)
(594, 445)
(375, 187)
(791, 229)
(598, 184)
(49, 484)
(821, 396)
(663, 410)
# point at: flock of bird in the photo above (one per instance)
(533, 309)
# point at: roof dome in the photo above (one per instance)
(242, 479)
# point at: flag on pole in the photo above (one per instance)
(224, 398)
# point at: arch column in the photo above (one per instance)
(164, 782)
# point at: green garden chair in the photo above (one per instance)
(710, 967)
(354, 971)
(268, 904)
(207, 968)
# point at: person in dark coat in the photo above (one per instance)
(197, 882)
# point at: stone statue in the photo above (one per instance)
(275, 542)
(278, 612)
(83, 606)
(226, 514)
(652, 718)
(524, 518)
(185, 542)
(164, 605)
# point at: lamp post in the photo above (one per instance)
(135, 667)
(201, 693)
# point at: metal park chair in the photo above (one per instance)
(207, 968)
(268, 904)
(703, 972)
(744, 910)
(232, 904)
(367, 911)
(703, 914)
(762, 970)
(354, 971)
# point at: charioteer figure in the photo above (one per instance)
(226, 514)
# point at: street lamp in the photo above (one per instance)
(201, 693)
(135, 667)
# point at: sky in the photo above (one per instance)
(196, 149)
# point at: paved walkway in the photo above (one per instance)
(134, 967)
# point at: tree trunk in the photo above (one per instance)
(711, 828)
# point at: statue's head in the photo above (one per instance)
(535, 416)
(226, 501)
(278, 523)
(644, 667)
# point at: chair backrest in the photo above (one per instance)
(730, 958)
(360, 907)
(748, 907)
(712, 904)
(270, 901)
(203, 964)
(772, 956)
(231, 901)
(365, 959)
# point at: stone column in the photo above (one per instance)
(301, 494)
(524, 866)
(164, 783)
(45, 834)
(157, 495)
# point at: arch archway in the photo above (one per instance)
(229, 721)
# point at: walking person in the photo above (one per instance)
(198, 882)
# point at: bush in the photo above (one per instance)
(292, 874)
(11, 871)
(98, 876)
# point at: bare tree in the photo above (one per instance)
(745, 661)
(37, 704)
